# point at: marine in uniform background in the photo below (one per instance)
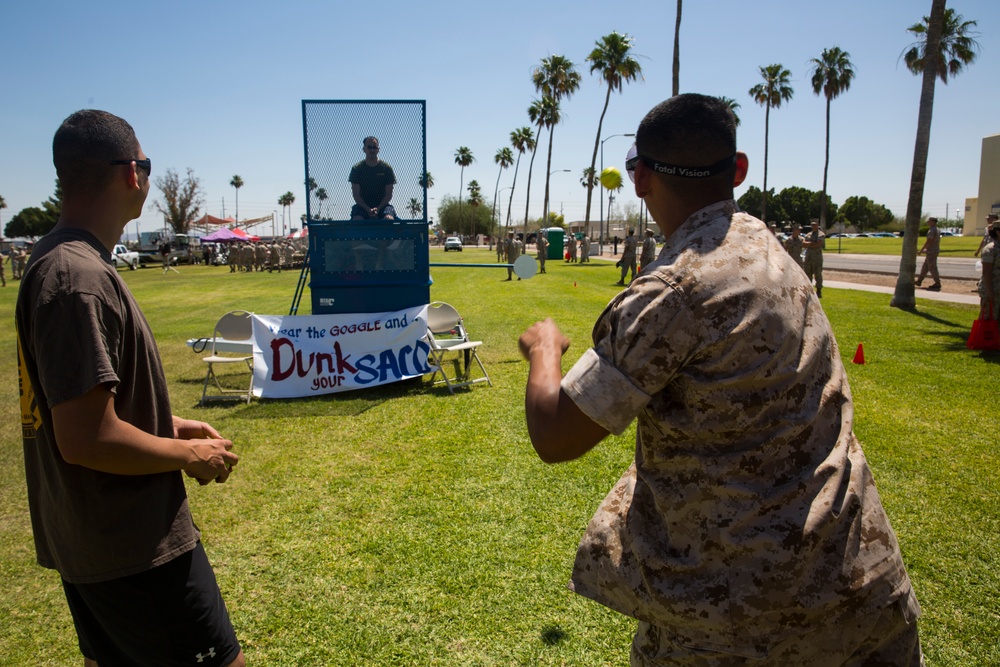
(648, 250)
(815, 242)
(932, 246)
(793, 244)
(628, 256)
(542, 246)
(512, 249)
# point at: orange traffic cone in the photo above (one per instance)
(859, 356)
(574, 283)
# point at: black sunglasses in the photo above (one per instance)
(146, 165)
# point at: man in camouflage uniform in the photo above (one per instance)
(932, 246)
(585, 249)
(571, 248)
(512, 249)
(12, 257)
(814, 243)
(628, 256)
(542, 246)
(793, 244)
(748, 530)
(275, 257)
(648, 250)
(248, 257)
(22, 262)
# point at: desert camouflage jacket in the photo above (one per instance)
(750, 511)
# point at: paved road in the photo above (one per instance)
(948, 267)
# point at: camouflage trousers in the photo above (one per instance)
(930, 265)
(881, 638)
(814, 270)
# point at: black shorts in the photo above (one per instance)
(169, 616)
(357, 211)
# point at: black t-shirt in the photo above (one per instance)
(372, 180)
(78, 326)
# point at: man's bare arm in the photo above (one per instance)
(89, 433)
(559, 430)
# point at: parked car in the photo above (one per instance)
(453, 243)
(123, 257)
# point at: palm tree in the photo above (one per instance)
(611, 58)
(733, 106)
(589, 178)
(958, 46)
(557, 78)
(414, 207)
(832, 72)
(543, 113)
(463, 158)
(426, 181)
(522, 139)
(677, 52)
(948, 39)
(285, 201)
(504, 158)
(322, 196)
(475, 199)
(771, 93)
(237, 183)
(311, 184)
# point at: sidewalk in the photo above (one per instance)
(969, 299)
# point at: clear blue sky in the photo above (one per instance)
(217, 87)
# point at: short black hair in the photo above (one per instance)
(690, 129)
(84, 146)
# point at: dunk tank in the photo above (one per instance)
(369, 265)
(368, 279)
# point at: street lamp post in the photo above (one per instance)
(545, 215)
(600, 241)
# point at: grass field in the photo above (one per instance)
(406, 526)
(951, 246)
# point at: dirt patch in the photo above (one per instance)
(949, 285)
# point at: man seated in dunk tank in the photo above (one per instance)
(372, 182)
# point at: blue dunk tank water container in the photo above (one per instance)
(373, 264)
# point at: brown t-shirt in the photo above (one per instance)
(78, 326)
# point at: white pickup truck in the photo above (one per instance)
(125, 257)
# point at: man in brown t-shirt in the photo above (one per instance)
(103, 454)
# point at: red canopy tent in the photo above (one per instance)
(225, 234)
(243, 235)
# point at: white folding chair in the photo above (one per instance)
(234, 329)
(446, 334)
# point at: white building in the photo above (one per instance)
(988, 201)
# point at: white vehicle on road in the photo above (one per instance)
(124, 257)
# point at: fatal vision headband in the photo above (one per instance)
(675, 169)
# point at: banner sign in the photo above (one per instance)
(307, 355)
